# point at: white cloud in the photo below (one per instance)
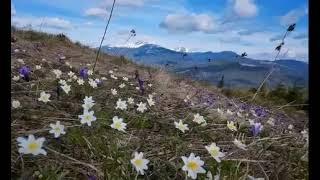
(98, 12)
(245, 8)
(13, 10)
(276, 37)
(88, 23)
(292, 16)
(230, 39)
(57, 23)
(291, 54)
(188, 23)
(51, 22)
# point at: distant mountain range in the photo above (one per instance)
(210, 66)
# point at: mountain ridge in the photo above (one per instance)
(239, 71)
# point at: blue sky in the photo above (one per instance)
(254, 26)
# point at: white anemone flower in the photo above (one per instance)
(16, 78)
(214, 151)
(231, 126)
(90, 72)
(110, 72)
(57, 72)
(87, 117)
(113, 76)
(239, 115)
(44, 97)
(220, 111)
(198, 119)
(150, 85)
(93, 83)
(88, 103)
(80, 81)
(16, 50)
(182, 127)
(66, 88)
(209, 176)
(122, 85)
(114, 92)
(230, 113)
(74, 77)
(121, 104)
(150, 102)
(125, 78)
(142, 107)
(253, 178)
(57, 129)
(193, 165)
(62, 82)
(290, 126)
(271, 121)
(130, 100)
(239, 144)
(118, 124)
(104, 78)
(137, 88)
(305, 134)
(31, 145)
(16, 104)
(21, 61)
(38, 67)
(139, 163)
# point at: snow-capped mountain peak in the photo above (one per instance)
(136, 44)
(181, 49)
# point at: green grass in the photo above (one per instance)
(84, 150)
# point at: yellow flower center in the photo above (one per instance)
(138, 162)
(57, 129)
(87, 117)
(117, 125)
(232, 126)
(33, 146)
(193, 165)
(214, 152)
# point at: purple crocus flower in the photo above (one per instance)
(141, 85)
(98, 81)
(260, 112)
(90, 177)
(256, 128)
(243, 106)
(25, 72)
(84, 73)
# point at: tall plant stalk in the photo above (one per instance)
(291, 28)
(104, 34)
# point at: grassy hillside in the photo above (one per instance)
(102, 152)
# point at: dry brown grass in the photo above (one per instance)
(106, 153)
